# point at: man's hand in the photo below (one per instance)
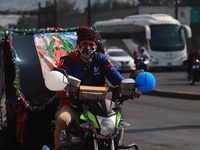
(61, 94)
(137, 93)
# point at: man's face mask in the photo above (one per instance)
(86, 50)
(86, 53)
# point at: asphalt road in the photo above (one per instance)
(166, 118)
(174, 84)
(159, 123)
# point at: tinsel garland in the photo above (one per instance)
(16, 82)
(28, 105)
(13, 31)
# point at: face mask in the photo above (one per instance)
(86, 53)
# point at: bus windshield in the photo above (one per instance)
(167, 37)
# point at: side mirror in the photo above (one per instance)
(61, 71)
(55, 80)
(73, 83)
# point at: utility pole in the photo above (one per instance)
(55, 13)
(176, 9)
(111, 4)
(47, 16)
(89, 13)
(39, 15)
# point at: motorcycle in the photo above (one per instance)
(142, 62)
(195, 73)
(101, 123)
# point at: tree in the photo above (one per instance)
(112, 4)
(191, 3)
(66, 8)
(97, 6)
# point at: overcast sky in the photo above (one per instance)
(30, 4)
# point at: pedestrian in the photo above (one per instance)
(192, 56)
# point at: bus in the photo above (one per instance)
(164, 37)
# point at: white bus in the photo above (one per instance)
(164, 37)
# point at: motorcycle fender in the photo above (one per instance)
(93, 119)
(119, 116)
(82, 117)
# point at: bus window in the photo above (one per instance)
(167, 38)
(138, 35)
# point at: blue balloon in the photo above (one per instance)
(145, 82)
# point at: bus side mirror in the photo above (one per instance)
(148, 32)
(187, 30)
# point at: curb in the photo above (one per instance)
(177, 94)
(171, 94)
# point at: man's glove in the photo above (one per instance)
(137, 93)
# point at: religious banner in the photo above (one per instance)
(51, 46)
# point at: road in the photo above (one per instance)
(159, 123)
(175, 81)
(174, 84)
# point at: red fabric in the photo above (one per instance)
(73, 55)
(64, 102)
(20, 123)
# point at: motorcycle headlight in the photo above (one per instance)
(146, 62)
(107, 125)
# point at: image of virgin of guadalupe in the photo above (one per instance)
(59, 47)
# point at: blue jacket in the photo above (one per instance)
(92, 73)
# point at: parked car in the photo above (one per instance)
(121, 59)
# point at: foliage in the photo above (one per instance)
(110, 4)
(66, 8)
(191, 3)
(117, 4)
(98, 5)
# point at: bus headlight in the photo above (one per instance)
(183, 58)
(107, 125)
(154, 60)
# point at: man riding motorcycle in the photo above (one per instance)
(91, 68)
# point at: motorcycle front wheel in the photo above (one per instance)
(119, 139)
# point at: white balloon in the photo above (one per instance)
(55, 81)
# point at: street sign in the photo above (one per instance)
(195, 16)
